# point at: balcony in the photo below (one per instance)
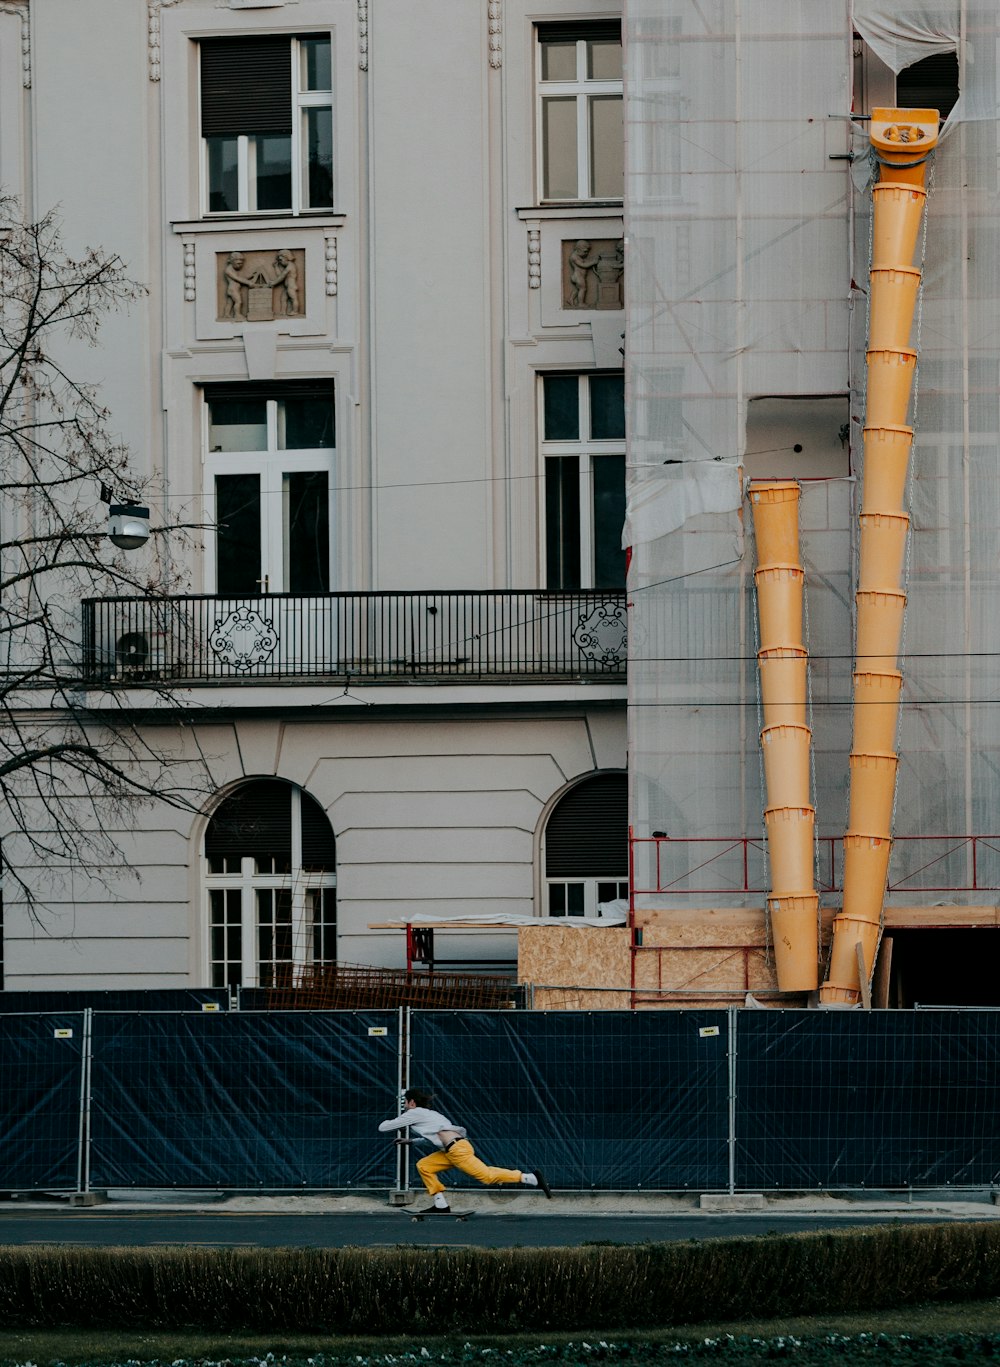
(531, 635)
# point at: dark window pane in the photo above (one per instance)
(609, 518)
(307, 533)
(223, 176)
(557, 899)
(306, 424)
(319, 158)
(237, 425)
(604, 60)
(607, 407)
(562, 523)
(575, 906)
(931, 83)
(315, 63)
(562, 407)
(273, 175)
(237, 511)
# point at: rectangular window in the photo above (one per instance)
(270, 469)
(583, 456)
(226, 936)
(267, 123)
(580, 128)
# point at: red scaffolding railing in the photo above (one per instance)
(718, 865)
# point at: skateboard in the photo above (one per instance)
(419, 1216)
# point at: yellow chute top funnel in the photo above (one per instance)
(775, 507)
(886, 465)
(902, 139)
(795, 937)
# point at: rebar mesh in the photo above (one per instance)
(338, 987)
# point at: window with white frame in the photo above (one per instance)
(586, 847)
(269, 456)
(267, 123)
(583, 458)
(580, 128)
(271, 885)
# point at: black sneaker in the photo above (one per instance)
(435, 1210)
(540, 1179)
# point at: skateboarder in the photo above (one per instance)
(451, 1149)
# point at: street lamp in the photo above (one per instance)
(128, 525)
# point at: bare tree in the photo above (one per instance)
(68, 777)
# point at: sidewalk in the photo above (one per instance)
(970, 1204)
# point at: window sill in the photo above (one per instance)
(249, 222)
(595, 208)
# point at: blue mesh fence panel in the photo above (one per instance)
(41, 1076)
(281, 1101)
(867, 1099)
(598, 1100)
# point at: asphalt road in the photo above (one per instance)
(390, 1227)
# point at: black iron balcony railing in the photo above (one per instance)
(530, 634)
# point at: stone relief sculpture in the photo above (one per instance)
(592, 273)
(258, 286)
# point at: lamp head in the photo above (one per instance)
(128, 525)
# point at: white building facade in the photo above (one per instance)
(379, 366)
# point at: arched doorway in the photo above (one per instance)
(271, 884)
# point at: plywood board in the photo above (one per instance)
(563, 961)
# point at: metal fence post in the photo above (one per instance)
(83, 1152)
(731, 1059)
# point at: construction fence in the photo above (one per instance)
(724, 1100)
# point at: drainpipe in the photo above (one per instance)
(902, 140)
(785, 739)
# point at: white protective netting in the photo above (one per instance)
(743, 238)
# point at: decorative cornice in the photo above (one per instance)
(22, 13)
(153, 8)
(363, 35)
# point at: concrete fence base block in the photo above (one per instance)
(711, 1200)
(88, 1198)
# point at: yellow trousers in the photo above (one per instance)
(461, 1155)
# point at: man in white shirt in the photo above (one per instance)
(451, 1149)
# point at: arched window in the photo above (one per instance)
(271, 878)
(586, 847)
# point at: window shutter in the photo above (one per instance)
(256, 820)
(596, 31)
(246, 86)
(587, 834)
(319, 851)
(243, 390)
